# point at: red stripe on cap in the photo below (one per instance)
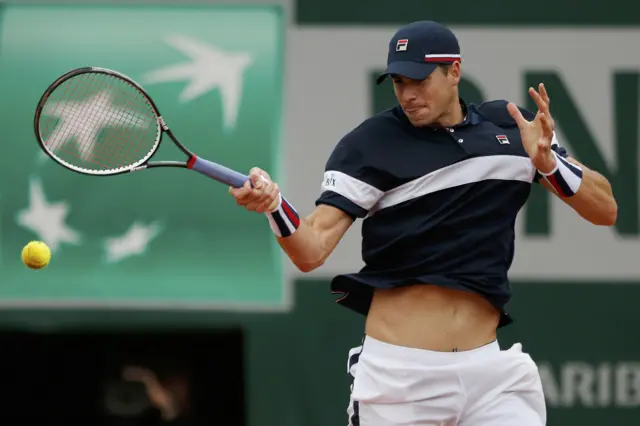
(290, 214)
(443, 59)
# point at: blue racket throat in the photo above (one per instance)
(217, 172)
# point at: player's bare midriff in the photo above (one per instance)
(432, 318)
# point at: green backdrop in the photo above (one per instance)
(498, 12)
(102, 229)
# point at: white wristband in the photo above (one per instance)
(565, 177)
(284, 219)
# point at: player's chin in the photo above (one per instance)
(420, 117)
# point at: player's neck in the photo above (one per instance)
(453, 116)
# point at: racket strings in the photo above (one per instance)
(98, 122)
(137, 130)
(70, 110)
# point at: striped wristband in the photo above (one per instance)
(565, 177)
(284, 220)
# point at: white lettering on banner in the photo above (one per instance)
(325, 102)
(577, 383)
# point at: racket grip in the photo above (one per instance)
(216, 171)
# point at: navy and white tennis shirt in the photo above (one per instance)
(439, 204)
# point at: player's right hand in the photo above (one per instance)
(262, 197)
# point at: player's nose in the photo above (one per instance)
(408, 96)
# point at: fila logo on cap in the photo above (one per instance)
(503, 139)
(401, 45)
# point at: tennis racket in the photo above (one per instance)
(97, 121)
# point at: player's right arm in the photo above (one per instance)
(313, 238)
(316, 237)
(348, 192)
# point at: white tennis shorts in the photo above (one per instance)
(398, 386)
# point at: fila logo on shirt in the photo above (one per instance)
(503, 139)
(401, 45)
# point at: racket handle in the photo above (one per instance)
(216, 171)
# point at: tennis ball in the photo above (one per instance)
(36, 255)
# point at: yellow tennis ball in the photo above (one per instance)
(36, 255)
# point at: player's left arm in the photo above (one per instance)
(588, 192)
(593, 200)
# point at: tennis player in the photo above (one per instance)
(439, 183)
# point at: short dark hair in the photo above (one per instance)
(444, 68)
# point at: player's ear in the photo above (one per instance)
(454, 73)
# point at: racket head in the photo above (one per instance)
(97, 121)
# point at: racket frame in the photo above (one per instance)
(142, 164)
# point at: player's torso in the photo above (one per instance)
(451, 198)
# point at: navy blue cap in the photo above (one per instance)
(418, 48)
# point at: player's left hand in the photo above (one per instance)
(537, 135)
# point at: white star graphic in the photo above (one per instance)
(82, 121)
(47, 220)
(133, 242)
(210, 68)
